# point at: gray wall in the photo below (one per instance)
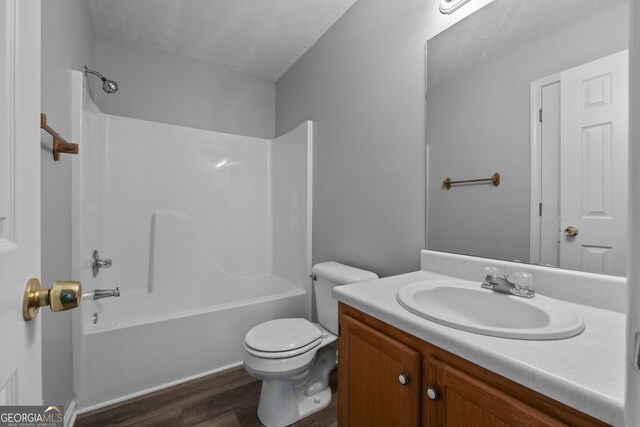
(479, 123)
(167, 88)
(363, 85)
(67, 43)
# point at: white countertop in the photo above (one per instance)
(585, 372)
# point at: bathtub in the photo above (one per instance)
(123, 356)
(209, 233)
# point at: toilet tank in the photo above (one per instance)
(329, 275)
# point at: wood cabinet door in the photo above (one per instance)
(369, 369)
(464, 401)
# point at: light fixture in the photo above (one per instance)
(450, 6)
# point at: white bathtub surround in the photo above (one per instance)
(189, 218)
(585, 372)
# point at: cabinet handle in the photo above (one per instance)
(403, 378)
(432, 393)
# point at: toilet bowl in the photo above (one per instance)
(293, 357)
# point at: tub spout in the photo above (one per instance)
(106, 293)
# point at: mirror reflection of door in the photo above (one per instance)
(583, 138)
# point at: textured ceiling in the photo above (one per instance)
(500, 27)
(263, 38)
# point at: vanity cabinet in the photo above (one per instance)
(390, 378)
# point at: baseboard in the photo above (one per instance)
(70, 414)
(97, 406)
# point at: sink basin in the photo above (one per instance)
(465, 305)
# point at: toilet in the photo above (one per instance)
(293, 357)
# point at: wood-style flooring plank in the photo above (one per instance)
(226, 420)
(175, 397)
(225, 399)
(244, 396)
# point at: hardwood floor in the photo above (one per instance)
(225, 399)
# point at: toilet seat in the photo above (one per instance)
(264, 367)
(282, 354)
(281, 338)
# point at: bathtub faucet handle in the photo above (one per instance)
(104, 263)
(99, 263)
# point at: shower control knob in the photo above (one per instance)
(104, 263)
(403, 378)
(99, 263)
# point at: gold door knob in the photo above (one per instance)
(63, 295)
(571, 231)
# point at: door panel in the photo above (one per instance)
(20, 348)
(370, 365)
(594, 110)
(466, 401)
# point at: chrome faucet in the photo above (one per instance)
(502, 284)
(106, 293)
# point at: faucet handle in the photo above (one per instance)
(492, 272)
(523, 282)
(104, 262)
(490, 277)
(99, 263)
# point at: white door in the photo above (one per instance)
(593, 157)
(20, 349)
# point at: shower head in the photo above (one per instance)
(108, 86)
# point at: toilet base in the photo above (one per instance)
(280, 406)
(285, 402)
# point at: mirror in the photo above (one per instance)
(538, 92)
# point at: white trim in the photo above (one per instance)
(70, 414)
(309, 230)
(449, 6)
(426, 150)
(80, 411)
(426, 196)
(536, 146)
(7, 122)
(309, 194)
(8, 391)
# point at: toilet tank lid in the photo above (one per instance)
(342, 274)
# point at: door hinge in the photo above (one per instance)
(539, 209)
(540, 115)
